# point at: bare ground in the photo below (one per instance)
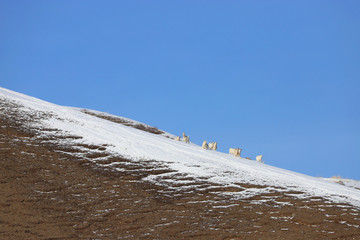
(54, 191)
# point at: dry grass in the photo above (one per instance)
(122, 121)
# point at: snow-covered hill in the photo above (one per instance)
(123, 138)
(343, 181)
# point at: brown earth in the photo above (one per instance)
(54, 191)
(122, 121)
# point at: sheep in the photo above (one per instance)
(205, 145)
(213, 146)
(177, 138)
(235, 151)
(185, 138)
(259, 158)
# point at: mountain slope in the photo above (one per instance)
(171, 189)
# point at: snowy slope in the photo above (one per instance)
(346, 182)
(189, 159)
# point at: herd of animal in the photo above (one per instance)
(213, 146)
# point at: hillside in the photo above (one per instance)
(72, 173)
(346, 182)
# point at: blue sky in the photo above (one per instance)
(278, 78)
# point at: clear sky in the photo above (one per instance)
(278, 78)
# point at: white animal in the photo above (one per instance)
(213, 146)
(205, 145)
(185, 138)
(259, 158)
(235, 151)
(177, 138)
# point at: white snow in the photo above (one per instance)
(346, 182)
(190, 159)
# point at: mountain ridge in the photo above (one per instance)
(177, 173)
(157, 148)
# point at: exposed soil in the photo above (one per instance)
(54, 191)
(122, 121)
